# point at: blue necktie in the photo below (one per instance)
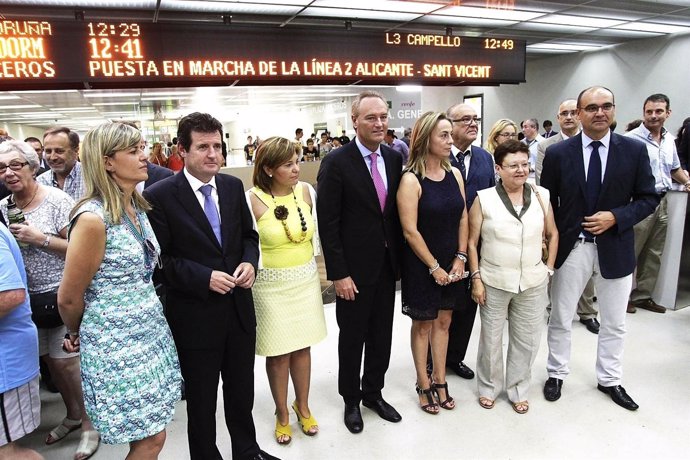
(593, 180)
(211, 211)
(461, 161)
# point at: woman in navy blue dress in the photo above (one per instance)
(431, 204)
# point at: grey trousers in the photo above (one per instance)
(525, 312)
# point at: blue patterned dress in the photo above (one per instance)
(129, 366)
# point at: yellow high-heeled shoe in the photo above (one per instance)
(307, 423)
(283, 430)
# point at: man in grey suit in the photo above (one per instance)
(570, 126)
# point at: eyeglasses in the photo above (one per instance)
(568, 113)
(515, 167)
(593, 108)
(509, 135)
(14, 166)
(467, 120)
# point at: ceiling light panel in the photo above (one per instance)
(653, 27)
(569, 20)
(111, 94)
(19, 106)
(464, 21)
(384, 6)
(359, 14)
(563, 47)
(557, 29)
(123, 4)
(232, 7)
(489, 13)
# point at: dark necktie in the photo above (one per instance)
(211, 211)
(378, 181)
(593, 179)
(461, 161)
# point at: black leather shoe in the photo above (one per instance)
(264, 456)
(385, 410)
(552, 389)
(461, 370)
(353, 418)
(591, 324)
(619, 396)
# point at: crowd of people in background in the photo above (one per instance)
(529, 231)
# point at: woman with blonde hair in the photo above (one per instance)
(503, 130)
(130, 371)
(287, 291)
(157, 155)
(431, 205)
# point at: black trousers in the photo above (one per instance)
(461, 326)
(366, 324)
(234, 362)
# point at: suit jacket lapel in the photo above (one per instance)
(611, 160)
(226, 214)
(474, 162)
(363, 174)
(187, 198)
(578, 164)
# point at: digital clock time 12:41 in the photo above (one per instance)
(119, 39)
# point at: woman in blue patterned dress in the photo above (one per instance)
(130, 372)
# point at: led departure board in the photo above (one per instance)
(45, 54)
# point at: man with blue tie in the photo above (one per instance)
(601, 185)
(477, 168)
(210, 252)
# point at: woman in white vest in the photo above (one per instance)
(510, 280)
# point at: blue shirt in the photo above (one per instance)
(18, 335)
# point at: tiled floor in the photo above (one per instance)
(583, 424)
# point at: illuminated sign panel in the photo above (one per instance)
(48, 54)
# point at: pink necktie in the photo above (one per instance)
(378, 181)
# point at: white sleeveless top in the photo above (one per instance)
(511, 248)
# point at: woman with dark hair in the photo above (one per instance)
(431, 205)
(130, 371)
(287, 291)
(509, 280)
(158, 156)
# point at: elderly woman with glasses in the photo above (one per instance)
(503, 130)
(130, 371)
(42, 238)
(511, 220)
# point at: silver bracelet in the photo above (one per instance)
(46, 243)
(434, 268)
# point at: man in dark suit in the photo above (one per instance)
(477, 168)
(210, 252)
(601, 185)
(570, 126)
(361, 240)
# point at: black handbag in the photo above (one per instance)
(44, 310)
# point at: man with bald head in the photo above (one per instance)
(595, 208)
(477, 168)
(570, 126)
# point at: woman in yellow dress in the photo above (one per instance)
(287, 292)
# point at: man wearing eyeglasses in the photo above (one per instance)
(61, 152)
(650, 234)
(570, 126)
(595, 209)
(477, 168)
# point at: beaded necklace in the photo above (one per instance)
(281, 213)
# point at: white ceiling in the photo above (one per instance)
(554, 27)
